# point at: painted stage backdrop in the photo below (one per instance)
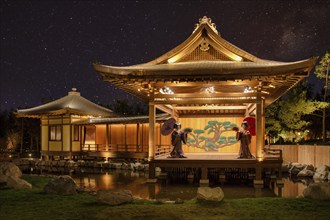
(212, 135)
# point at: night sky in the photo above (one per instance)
(48, 47)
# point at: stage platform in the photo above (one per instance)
(206, 161)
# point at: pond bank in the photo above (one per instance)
(34, 204)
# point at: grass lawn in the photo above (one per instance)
(34, 204)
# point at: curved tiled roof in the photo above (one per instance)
(72, 103)
(206, 59)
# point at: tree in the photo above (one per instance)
(322, 72)
(285, 117)
(14, 133)
(122, 107)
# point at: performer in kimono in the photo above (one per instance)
(244, 137)
(177, 137)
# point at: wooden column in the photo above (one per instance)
(142, 139)
(160, 135)
(107, 137)
(152, 120)
(70, 137)
(125, 137)
(204, 181)
(22, 135)
(260, 118)
(110, 136)
(62, 129)
(137, 136)
(81, 137)
(48, 130)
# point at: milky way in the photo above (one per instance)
(47, 47)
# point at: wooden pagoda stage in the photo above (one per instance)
(205, 161)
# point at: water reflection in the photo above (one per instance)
(170, 189)
(163, 189)
(292, 187)
(129, 180)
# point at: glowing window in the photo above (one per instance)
(55, 133)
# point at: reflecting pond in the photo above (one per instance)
(171, 189)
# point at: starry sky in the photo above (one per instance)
(48, 46)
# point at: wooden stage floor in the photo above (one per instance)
(206, 161)
(204, 156)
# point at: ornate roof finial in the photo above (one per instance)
(208, 21)
(74, 91)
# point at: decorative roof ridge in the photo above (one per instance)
(74, 92)
(208, 21)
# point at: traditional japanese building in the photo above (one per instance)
(208, 81)
(73, 126)
(59, 134)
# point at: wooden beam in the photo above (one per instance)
(210, 107)
(204, 84)
(203, 115)
(168, 109)
(207, 95)
(204, 101)
(251, 108)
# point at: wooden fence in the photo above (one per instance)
(305, 154)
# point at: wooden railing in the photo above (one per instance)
(160, 149)
(272, 153)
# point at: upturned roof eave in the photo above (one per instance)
(220, 67)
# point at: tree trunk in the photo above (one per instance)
(325, 99)
(22, 136)
(323, 126)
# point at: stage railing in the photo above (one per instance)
(162, 150)
(115, 148)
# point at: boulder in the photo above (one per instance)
(210, 194)
(296, 168)
(61, 163)
(179, 201)
(308, 171)
(3, 181)
(305, 173)
(10, 169)
(17, 183)
(125, 166)
(310, 167)
(116, 165)
(319, 191)
(146, 167)
(114, 197)
(285, 168)
(321, 173)
(61, 185)
(135, 166)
